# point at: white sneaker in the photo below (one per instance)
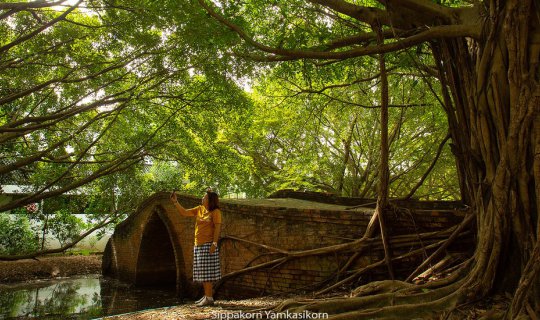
(205, 302)
(200, 300)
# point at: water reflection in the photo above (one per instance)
(79, 298)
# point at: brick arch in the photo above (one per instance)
(156, 262)
(152, 247)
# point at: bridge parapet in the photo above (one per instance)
(155, 245)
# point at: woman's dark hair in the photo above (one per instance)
(213, 200)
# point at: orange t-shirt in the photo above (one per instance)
(205, 222)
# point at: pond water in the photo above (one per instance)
(85, 297)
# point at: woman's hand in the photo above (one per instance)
(213, 248)
(173, 197)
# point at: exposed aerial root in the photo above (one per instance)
(389, 299)
(392, 295)
(385, 300)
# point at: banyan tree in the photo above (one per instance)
(485, 56)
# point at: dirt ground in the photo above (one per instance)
(254, 308)
(49, 268)
(260, 308)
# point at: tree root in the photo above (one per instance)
(528, 278)
(388, 299)
(379, 287)
(356, 247)
(424, 310)
(442, 248)
(383, 300)
(393, 293)
(391, 299)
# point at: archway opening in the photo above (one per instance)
(156, 264)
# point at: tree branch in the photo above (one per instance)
(19, 6)
(428, 171)
(279, 54)
(65, 79)
(134, 155)
(40, 29)
(452, 31)
(8, 14)
(81, 155)
(364, 14)
(30, 159)
(425, 6)
(359, 38)
(108, 220)
(342, 85)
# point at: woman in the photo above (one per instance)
(206, 266)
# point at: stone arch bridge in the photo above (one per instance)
(154, 246)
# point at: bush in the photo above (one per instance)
(16, 235)
(65, 226)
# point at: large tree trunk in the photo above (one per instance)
(493, 121)
(491, 96)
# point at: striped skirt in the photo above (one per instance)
(206, 266)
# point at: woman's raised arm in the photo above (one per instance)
(178, 206)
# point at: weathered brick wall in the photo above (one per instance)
(138, 251)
